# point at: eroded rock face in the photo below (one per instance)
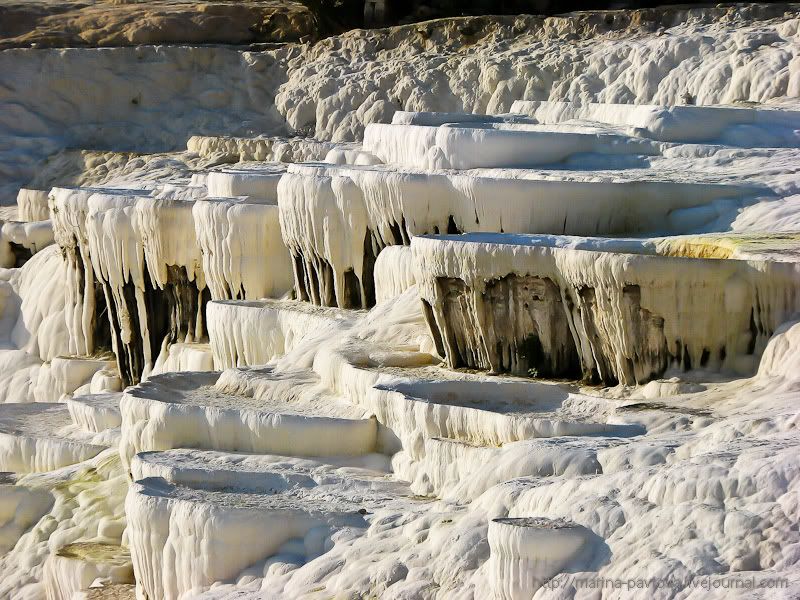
(89, 328)
(154, 317)
(516, 325)
(525, 307)
(70, 24)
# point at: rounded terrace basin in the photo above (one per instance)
(180, 410)
(32, 438)
(487, 412)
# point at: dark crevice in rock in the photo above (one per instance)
(21, 254)
(173, 314)
(529, 326)
(517, 325)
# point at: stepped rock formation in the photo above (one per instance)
(483, 307)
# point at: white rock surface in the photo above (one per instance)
(677, 123)
(20, 508)
(227, 530)
(86, 506)
(24, 238)
(254, 333)
(651, 297)
(527, 553)
(178, 410)
(336, 455)
(33, 439)
(260, 182)
(485, 145)
(243, 254)
(33, 205)
(95, 412)
(335, 220)
(77, 567)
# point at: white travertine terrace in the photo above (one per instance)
(395, 272)
(617, 314)
(27, 237)
(279, 149)
(33, 205)
(171, 524)
(246, 333)
(117, 254)
(733, 125)
(69, 373)
(77, 503)
(20, 509)
(481, 412)
(95, 412)
(38, 327)
(168, 237)
(187, 409)
(182, 356)
(76, 567)
(526, 553)
(259, 182)
(335, 220)
(31, 439)
(435, 119)
(173, 242)
(144, 251)
(487, 145)
(69, 208)
(224, 496)
(460, 471)
(243, 254)
(215, 470)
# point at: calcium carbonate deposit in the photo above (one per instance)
(475, 308)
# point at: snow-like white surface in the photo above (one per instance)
(258, 512)
(178, 410)
(337, 218)
(95, 412)
(525, 553)
(395, 272)
(32, 438)
(737, 126)
(167, 230)
(185, 539)
(77, 567)
(158, 100)
(85, 505)
(33, 205)
(213, 470)
(260, 183)
(69, 208)
(434, 119)
(254, 333)
(31, 236)
(35, 306)
(262, 148)
(484, 145)
(243, 255)
(181, 356)
(20, 508)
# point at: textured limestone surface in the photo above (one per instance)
(475, 308)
